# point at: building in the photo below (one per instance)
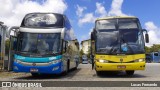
(86, 44)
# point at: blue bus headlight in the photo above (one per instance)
(55, 61)
(17, 61)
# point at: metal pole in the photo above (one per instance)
(3, 33)
(3, 45)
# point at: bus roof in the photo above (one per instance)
(115, 17)
(45, 13)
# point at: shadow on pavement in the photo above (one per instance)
(70, 74)
(118, 74)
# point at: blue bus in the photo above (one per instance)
(44, 44)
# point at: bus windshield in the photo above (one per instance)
(42, 20)
(42, 43)
(124, 37)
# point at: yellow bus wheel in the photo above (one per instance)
(130, 72)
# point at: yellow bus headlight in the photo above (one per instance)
(139, 60)
(103, 61)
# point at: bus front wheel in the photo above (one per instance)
(130, 72)
(35, 74)
(98, 73)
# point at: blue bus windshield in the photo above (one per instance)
(42, 43)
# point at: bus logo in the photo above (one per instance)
(34, 64)
(121, 60)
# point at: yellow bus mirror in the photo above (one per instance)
(147, 38)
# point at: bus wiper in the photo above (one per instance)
(113, 49)
(51, 53)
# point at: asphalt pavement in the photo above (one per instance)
(85, 73)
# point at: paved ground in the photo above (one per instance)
(85, 73)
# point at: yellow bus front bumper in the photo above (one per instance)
(119, 66)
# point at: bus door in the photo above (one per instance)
(12, 46)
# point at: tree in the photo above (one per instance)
(147, 49)
(154, 48)
(81, 53)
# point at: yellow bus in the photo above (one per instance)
(117, 43)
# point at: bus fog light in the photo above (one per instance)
(55, 68)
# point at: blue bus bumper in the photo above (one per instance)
(51, 69)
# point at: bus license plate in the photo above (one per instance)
(33, 70)
(121, 67)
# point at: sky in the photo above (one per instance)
(82, 13)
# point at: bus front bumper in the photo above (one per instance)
(119, 66)
(50, 69)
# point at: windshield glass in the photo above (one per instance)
(105, 24)
(126, 38)
(39, 43)
(38, 20)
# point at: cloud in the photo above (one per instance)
(84, 37)
(100, 9)
(116, 8)
(101, 12)
(154, 33)
(90, 31)
(88, 18)
(13, 11)
(80, 10)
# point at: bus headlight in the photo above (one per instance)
(103, 61)
(55, 61)
(17, 61)
(139, 60)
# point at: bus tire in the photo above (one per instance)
(67, 69)
(68, 66)
(130, 73)
(76, 65)
(35, 74)
(98, 73)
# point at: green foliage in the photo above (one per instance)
(147, 49)
(154, 48)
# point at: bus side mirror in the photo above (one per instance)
(13, 43)
(77, 44)
(65, 45)
(147, 38)
(13, 31)
(92, 36)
